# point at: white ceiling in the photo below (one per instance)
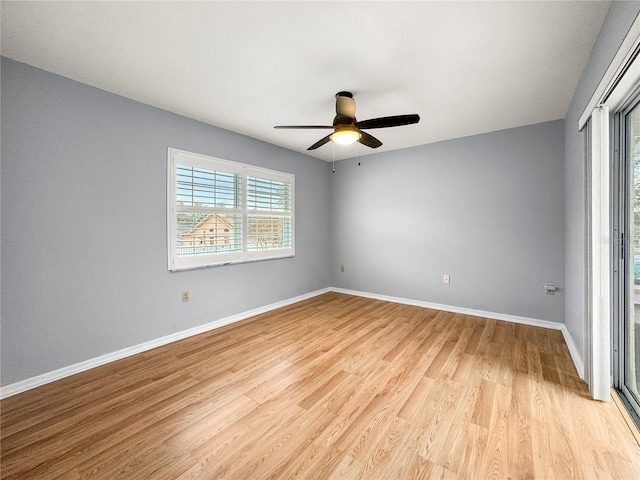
(464, 67)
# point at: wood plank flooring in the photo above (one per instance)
(335, 387)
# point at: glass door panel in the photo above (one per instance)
(631, 328)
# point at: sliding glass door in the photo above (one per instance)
(627, 319)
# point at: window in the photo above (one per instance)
(222, 212)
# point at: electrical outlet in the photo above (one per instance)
(185, 296)
(446, 279)
(342, 268)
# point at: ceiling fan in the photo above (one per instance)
(347, 130)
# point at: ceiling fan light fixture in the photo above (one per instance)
(346, 136)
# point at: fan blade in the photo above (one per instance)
(383, 122)
(319, 143)
(303, 126)
(369, 140)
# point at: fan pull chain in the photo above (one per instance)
(333, 153)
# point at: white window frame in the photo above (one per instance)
(177, 157)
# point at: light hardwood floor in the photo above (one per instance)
(333, 387)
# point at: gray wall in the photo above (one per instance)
(487, 210)
(619, 19)
(84, 269)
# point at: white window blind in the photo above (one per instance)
(222, 212)
(269, 217)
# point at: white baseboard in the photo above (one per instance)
(49, 377)
(577, 361)
(573, 350)
(463, 310)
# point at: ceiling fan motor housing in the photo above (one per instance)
(345, 105)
